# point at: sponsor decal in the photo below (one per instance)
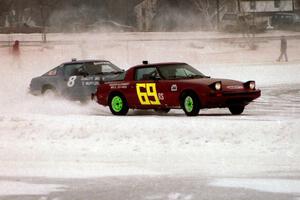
(90, 81)
(119, 85)
(85, 81)
(147, 93)
(161, 96)
(174, 88)
(234, 87)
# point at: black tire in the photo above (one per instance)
(118, 104)
(190, 104)
(49, 92)
(162, 110)
(236, 109)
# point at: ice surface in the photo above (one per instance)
(9, 188)
(58, 138)
(264, 185)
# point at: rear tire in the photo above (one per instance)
(118, 104)
(236, 109)
(190, 104)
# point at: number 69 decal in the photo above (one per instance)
(150, 92)
(71, 81)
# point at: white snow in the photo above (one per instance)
(8, 188)
(57, 138)
(179, 196)
(265, 185)
(171, 196)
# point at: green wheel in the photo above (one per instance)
(118, 105)
(190, 104)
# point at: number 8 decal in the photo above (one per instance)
(71, 81)
(150, 92)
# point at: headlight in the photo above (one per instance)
(252, 85)
(218, 86)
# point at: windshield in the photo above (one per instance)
(91, 68)
(94, 68)
(120, 76)
(179, 71)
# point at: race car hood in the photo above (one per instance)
(227, 84)
(208, 81)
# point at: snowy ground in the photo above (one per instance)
(55, 138)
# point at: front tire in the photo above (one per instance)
(236, 109)
(190, 104)
(118, 105)
(49, 93)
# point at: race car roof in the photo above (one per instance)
(84, 61)
(158, 64)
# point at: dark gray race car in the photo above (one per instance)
(75, 80)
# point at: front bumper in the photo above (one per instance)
(224, 98)
(34, 92)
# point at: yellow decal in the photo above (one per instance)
(147, 93)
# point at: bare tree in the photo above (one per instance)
(45, 6)
(203, 6)
(209, 10)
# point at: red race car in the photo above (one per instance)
(165, 86)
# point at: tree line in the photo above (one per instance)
(64, 14)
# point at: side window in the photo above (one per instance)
(92, 69)
(145, 73)
(170, 73)
(73, 69)
(53, 72)
(180, 72)
(98, 68)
